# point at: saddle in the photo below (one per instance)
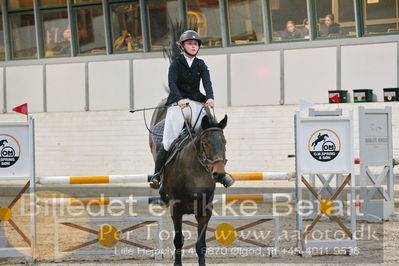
(177, 145)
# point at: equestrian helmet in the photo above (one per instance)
(190, 35)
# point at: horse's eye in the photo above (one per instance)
(206, 144)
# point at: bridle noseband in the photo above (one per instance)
(202, 157)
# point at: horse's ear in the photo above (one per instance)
(205, 122)
(222, 124)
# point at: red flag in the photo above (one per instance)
(22, 109)
(335, 98)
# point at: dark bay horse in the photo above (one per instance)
(189, 180)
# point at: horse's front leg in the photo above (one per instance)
(200, 246)
(179, 239)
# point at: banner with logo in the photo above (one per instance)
(324, 144)
(16, 149)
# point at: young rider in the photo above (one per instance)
(185, 73)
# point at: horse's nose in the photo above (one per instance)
(218, 176)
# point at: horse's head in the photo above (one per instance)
(212, 146)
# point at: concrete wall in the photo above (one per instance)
(65, 87)
(259, 138)
(370, 67)
(25, 84)
(109, 87)
(309, 74)
(217, 65)
(239, 79)
(255, 78)
(150, 78)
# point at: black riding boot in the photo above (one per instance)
(159, 163)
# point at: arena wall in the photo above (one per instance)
(240, 77)
(259, 138)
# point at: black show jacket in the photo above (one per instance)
(184, 81)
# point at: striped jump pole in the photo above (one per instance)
(356, 160)
(79, 180)
(395, 161)
(265, 197)
(262, 176)
(142, 200)
(145, 200)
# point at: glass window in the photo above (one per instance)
(205, 15)
(381, 16)
(245, 21)
(289, 20)
(126, 27)
(2, 51)
(85, 1)
(161, 14)
(336, 18)
(57, 36)
(23, 35)
(90, 30)
(46, 3)
(18, 4)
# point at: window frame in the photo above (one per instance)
(113, 3)
(106, 5)
(363, 14)
(220, 7)
(265, 17)
(315, 23)
(42, 38)
(270, 27)
(74, 32)
(20, 12)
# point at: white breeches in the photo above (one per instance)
(174, 120)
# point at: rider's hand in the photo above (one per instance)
(182, 104)
(210, 103)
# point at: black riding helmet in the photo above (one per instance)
(189, 35)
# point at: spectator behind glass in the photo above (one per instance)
(126, 42)
(331, 28)
(305, 30)
(62, 45)
(290, 31)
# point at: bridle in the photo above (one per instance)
(202, 156)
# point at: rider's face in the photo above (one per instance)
(191, 46)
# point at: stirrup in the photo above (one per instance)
(155, 182)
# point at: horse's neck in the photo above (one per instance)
(193, 150)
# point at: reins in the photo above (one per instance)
(145, 122)
(201, 155)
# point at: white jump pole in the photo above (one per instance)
(78, 180)
(145, 200)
